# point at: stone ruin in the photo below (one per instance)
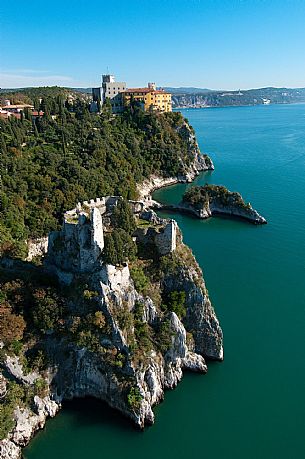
(163, 236)
(78, 246)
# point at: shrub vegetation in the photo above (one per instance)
(49, 163)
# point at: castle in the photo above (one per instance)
(119, 96)
(78, 246)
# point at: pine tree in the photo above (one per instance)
(3, 145)
(123, 217)
(109, 253)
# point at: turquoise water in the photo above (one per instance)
(252, 405)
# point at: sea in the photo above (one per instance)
(252, 405)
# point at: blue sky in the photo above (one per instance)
(218, 44)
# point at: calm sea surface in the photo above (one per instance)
(251, 406)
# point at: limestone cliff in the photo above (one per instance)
(129, 331)
(196, 163)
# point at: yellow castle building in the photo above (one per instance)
(151, 98)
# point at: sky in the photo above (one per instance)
(216, 44)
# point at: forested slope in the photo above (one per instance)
(49, 163)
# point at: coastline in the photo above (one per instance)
(29, 423)
(184, 356)
(236, 106)
(146, 188)
(250, 279)
(155, 182)
(196, 214)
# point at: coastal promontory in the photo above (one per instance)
(120, 312)
(99, 296)
(210, 200)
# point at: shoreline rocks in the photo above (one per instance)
(76, 370)
(79, 371)
(200, 163)
(211, 200)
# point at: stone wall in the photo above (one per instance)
(78, 246)
(166, 239)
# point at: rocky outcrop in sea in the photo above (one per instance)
(208, 200)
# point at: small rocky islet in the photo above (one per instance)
(210, 200)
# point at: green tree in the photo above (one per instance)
(176, 301)
(46, 309)
(134, 398)
(119, 247)
(139, 278)
(110, 254)
(123, 217)
(6, 419)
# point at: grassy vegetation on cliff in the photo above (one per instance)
(50, 163)
(199, 196)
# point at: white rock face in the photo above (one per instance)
(14, 367)
(82, 371)
(194, 362)
(165, 373)
(179, 355)
(154, 183)
(150, 312)
(248, 214)
(37, 248)
(8, 450)
(154, 379)
(115, 278)
(3, 385)
(28, 422)
(200, 316)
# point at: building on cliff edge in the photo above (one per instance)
(150, 98)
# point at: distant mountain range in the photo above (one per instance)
(260, 96)
(186, 90)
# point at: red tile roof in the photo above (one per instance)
(145, 90)
(138, 90)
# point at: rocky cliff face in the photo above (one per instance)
(200, 318)
(27, 419)
(135, 339)
(197, 163)
(209, 200)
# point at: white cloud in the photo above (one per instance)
(26, 77)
